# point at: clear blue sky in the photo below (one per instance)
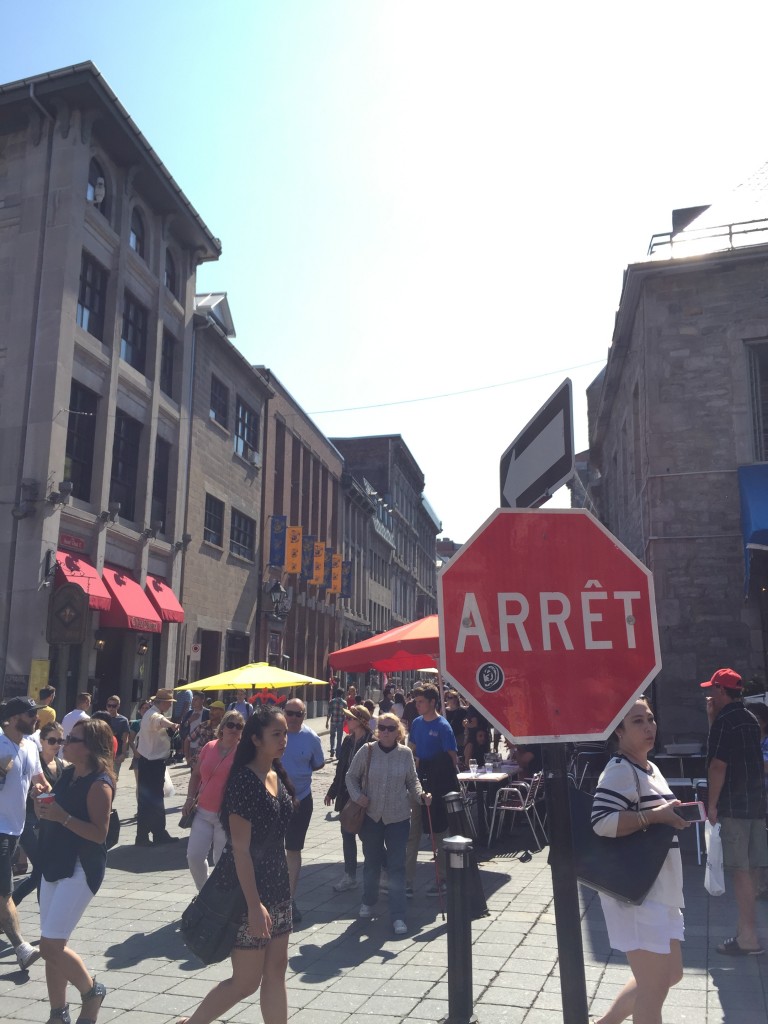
(425, 198)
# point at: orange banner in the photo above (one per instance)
(293, 549)
(335, 587)
(318, 563)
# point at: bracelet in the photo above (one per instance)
(64, 823)
(643, 820)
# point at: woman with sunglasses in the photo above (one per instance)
(73, 858)
(51, 740)
(206, 792)
(386, 794)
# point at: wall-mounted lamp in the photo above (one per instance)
(280, 601)
(111, 513)
(143, 646)
(183, 544)
(100, 642)
(64, 493)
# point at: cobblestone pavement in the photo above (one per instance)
(343, 970)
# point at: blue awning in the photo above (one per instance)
(753, 490)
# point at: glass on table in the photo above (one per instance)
(473, 767)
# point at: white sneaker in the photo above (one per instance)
(400, 928)
(26, 955)
(365, 911)
(344, 883)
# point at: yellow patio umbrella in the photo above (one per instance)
(258, 676)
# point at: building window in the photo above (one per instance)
(246, 429)
(242, 536)
(96, 189)
(160, 479)
(81, 434)
(133, 344)
(92, 296)
(219, 402)
(758, 364)
(125, 464)
(171, 278)
(137, 236)
(166, 363)
(213, 528)
(237, 651)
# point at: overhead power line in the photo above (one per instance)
(456, 394)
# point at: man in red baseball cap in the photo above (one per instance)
(737, 799)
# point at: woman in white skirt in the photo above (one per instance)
(206, 791)
(73, 857)
(649, 934)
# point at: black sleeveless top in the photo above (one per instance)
(60, 848)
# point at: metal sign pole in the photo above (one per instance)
(570, 950)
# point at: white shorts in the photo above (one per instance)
(62, 904)
(651, 926)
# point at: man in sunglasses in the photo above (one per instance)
(20, 772)
(303, 756)
(120, 727)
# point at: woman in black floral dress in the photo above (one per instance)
(258, 804)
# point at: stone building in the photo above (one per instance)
(98, 255)
(299, 622)
(220, 579)
(402, 571)
(679, 450)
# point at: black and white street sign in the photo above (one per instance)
(540, 459)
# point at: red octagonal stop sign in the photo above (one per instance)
(548, 624)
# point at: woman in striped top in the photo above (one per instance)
(650, 934)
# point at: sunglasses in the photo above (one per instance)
(113, 705)
(387, 728)
(294, 714)
(53, 742)
(74, 739)
(233, 725)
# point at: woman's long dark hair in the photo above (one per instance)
(260, 720)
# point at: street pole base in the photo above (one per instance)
(459, 1020)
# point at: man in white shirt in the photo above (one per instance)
(82, 710)
(20, 771)
(154, 750)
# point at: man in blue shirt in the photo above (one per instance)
(433, 743)
(303, 756)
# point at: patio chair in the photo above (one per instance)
(516, 798)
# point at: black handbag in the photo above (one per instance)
(210, 924)
(113, 830)
(625, 867)
(352, 813)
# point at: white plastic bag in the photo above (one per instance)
(168, 790)
(714, 877)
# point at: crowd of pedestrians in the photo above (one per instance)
(250, 803)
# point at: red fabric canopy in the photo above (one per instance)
(412, 646)
(131, 608)
(164, 600)
(76, 569)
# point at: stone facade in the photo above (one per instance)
(672, 417)
(220, 582)
(98, 255)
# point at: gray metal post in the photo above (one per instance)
(457, 859)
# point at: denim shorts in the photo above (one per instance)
(744, 843)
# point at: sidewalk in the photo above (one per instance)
(343, 970)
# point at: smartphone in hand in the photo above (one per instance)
(693, 811)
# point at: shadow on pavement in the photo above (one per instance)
(166, 943)
(143, 859)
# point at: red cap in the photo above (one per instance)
(726, 678)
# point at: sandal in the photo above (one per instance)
(731, 947)
(96, 991)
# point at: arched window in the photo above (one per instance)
(96, 190)
(171, 277)
(137, 237)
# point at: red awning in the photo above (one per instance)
(75, 569)
(131, 608)
(164, 600)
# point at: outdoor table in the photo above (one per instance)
(486, 785)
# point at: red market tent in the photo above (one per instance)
(412, 646)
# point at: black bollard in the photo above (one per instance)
(457, 826)
(458, 853)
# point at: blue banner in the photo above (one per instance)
(346, 579)
(327, 576)
(307, 557)
(277, 541)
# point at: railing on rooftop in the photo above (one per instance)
(697, 241)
